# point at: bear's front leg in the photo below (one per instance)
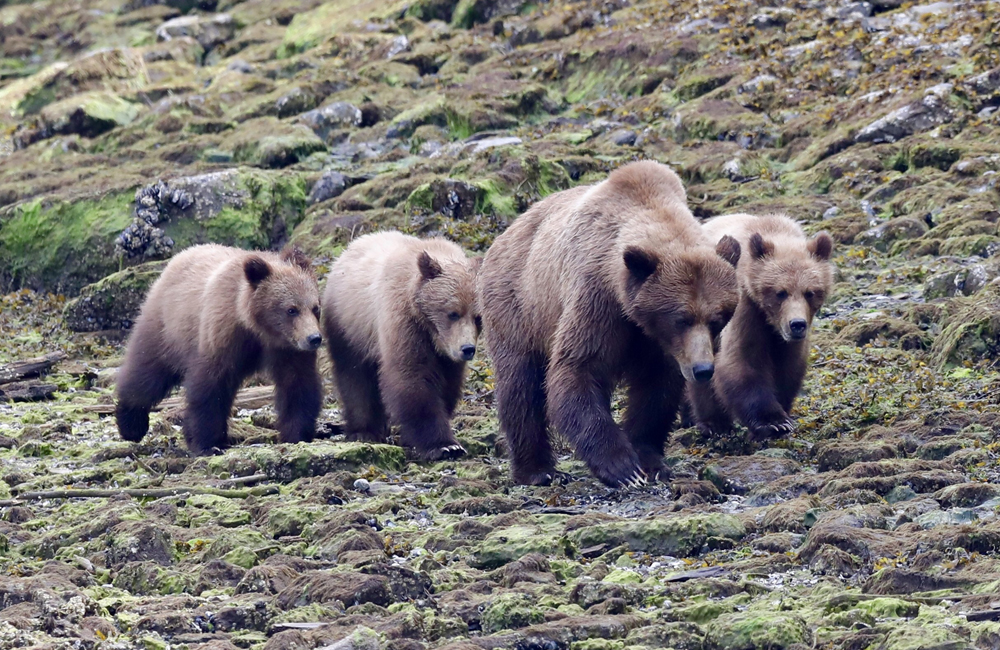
(210, 387)
(655, 386)
(298, 395)
(579, 405)
(710, 416)
(757, 407)
(415, 403)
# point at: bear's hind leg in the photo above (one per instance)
(210, 390)
(520, 401)
(358, 392)
(142, 382)
(298, 395)
(655, 386)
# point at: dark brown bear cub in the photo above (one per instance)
(216, 316)
(401, 321)
(784, 279)
(596, 285)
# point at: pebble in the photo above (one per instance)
(362, 485)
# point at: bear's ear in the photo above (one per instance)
(429, 269)
(256, 270)
(640, 264)
(294, 255)
(760, 248)
(729, 249)
(821, 246)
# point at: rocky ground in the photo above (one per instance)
(135, 128)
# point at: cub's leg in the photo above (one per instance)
(709, 415)
(298, 394)
(143, 380)
(211, 388)
(413, 394)
(357, 389)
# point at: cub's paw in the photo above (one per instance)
(365, 435)
(448, 452)
(778, 428)
(540, 477)
(625, 473)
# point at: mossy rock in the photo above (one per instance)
(756, 631)
(114, 302)
(267, 142)
(310, 28)
(289, 462)
(679, 536)
(970, 329)
(508, 544)
(511, 611)
(88, 114)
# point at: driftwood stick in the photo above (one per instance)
(29, 367)
(248, 398)
(243, 480)
(141, 493)
(27, 391)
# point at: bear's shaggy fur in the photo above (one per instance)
(595, 285)
(216, 316)
(784, 279)
(401, 319)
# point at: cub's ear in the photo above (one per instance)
(821, 246)
(729, 249)
(429, 269)
(256, 270)
(640, 264)
(760, 248)
(294, 255)
(476, 263)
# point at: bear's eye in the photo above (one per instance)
(293, 311)
(809, 295)
(781, 295)
(685, 320)
(716, 326)
(454, 316)
(315, 311)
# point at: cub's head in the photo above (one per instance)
(284, 300)
(446, 298)
(789, 280)
(683, 301)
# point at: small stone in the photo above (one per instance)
(624, 137)
(900, 493)
(362, 485)
(209, 31)
(830, 213)
(330, 185)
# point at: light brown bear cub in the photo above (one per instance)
(592, 286)
(401, 320)
(216, 316)
(784, 279)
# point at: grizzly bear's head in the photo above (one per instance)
(789, 279)
(684, 300)
(446, 298)
(284, 300)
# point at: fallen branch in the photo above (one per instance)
(27, 391)
(248, 398)
(243, 480)
(141, 493)
(28, 368)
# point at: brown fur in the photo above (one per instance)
(216, 316)
(784, 278)
(401, 319)
(592, 286)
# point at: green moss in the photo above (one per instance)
(971, 329)
(511, 611)
(503, 546)
(113, 302)
(756, 631)
(678, 536)
(310, 28)
(62, 246)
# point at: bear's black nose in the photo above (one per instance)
(468, 351)
(315, 340)
(703, 371)
(798, 328)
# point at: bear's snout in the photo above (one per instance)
(703, 372)
(797, 327)
(314, 341)
(468, 351)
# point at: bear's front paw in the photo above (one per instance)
(448, 452)
(624, 473)
(777, 428)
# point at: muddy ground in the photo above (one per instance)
(137, 128)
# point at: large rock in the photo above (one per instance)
(114, 302)
(922, 115)
(339, 115)
(756, 631)
(209, 31)
(679, 536)
(88, 114)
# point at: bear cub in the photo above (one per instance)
(595, 286)
(214, 317)
(784, 279)
(401, 320)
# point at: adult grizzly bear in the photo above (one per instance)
(401, 320)
(592, 286)
(216, 316)
(784, 279)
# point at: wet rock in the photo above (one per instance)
(958, 282)
(777, 542)
(454, 199)
(266, 579)
(679, 536)
(623, 137)
(295, 101)
(209, 31)
(894, 581)
(510, 611)
(838, 455)
(335, 116)
(137, 541)
(923, 115)
(404, 583)
(329, 186)
(478, 506)
(476, 12)
(114, 302)
(966, 495)
(741, 474)
(328, 587)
